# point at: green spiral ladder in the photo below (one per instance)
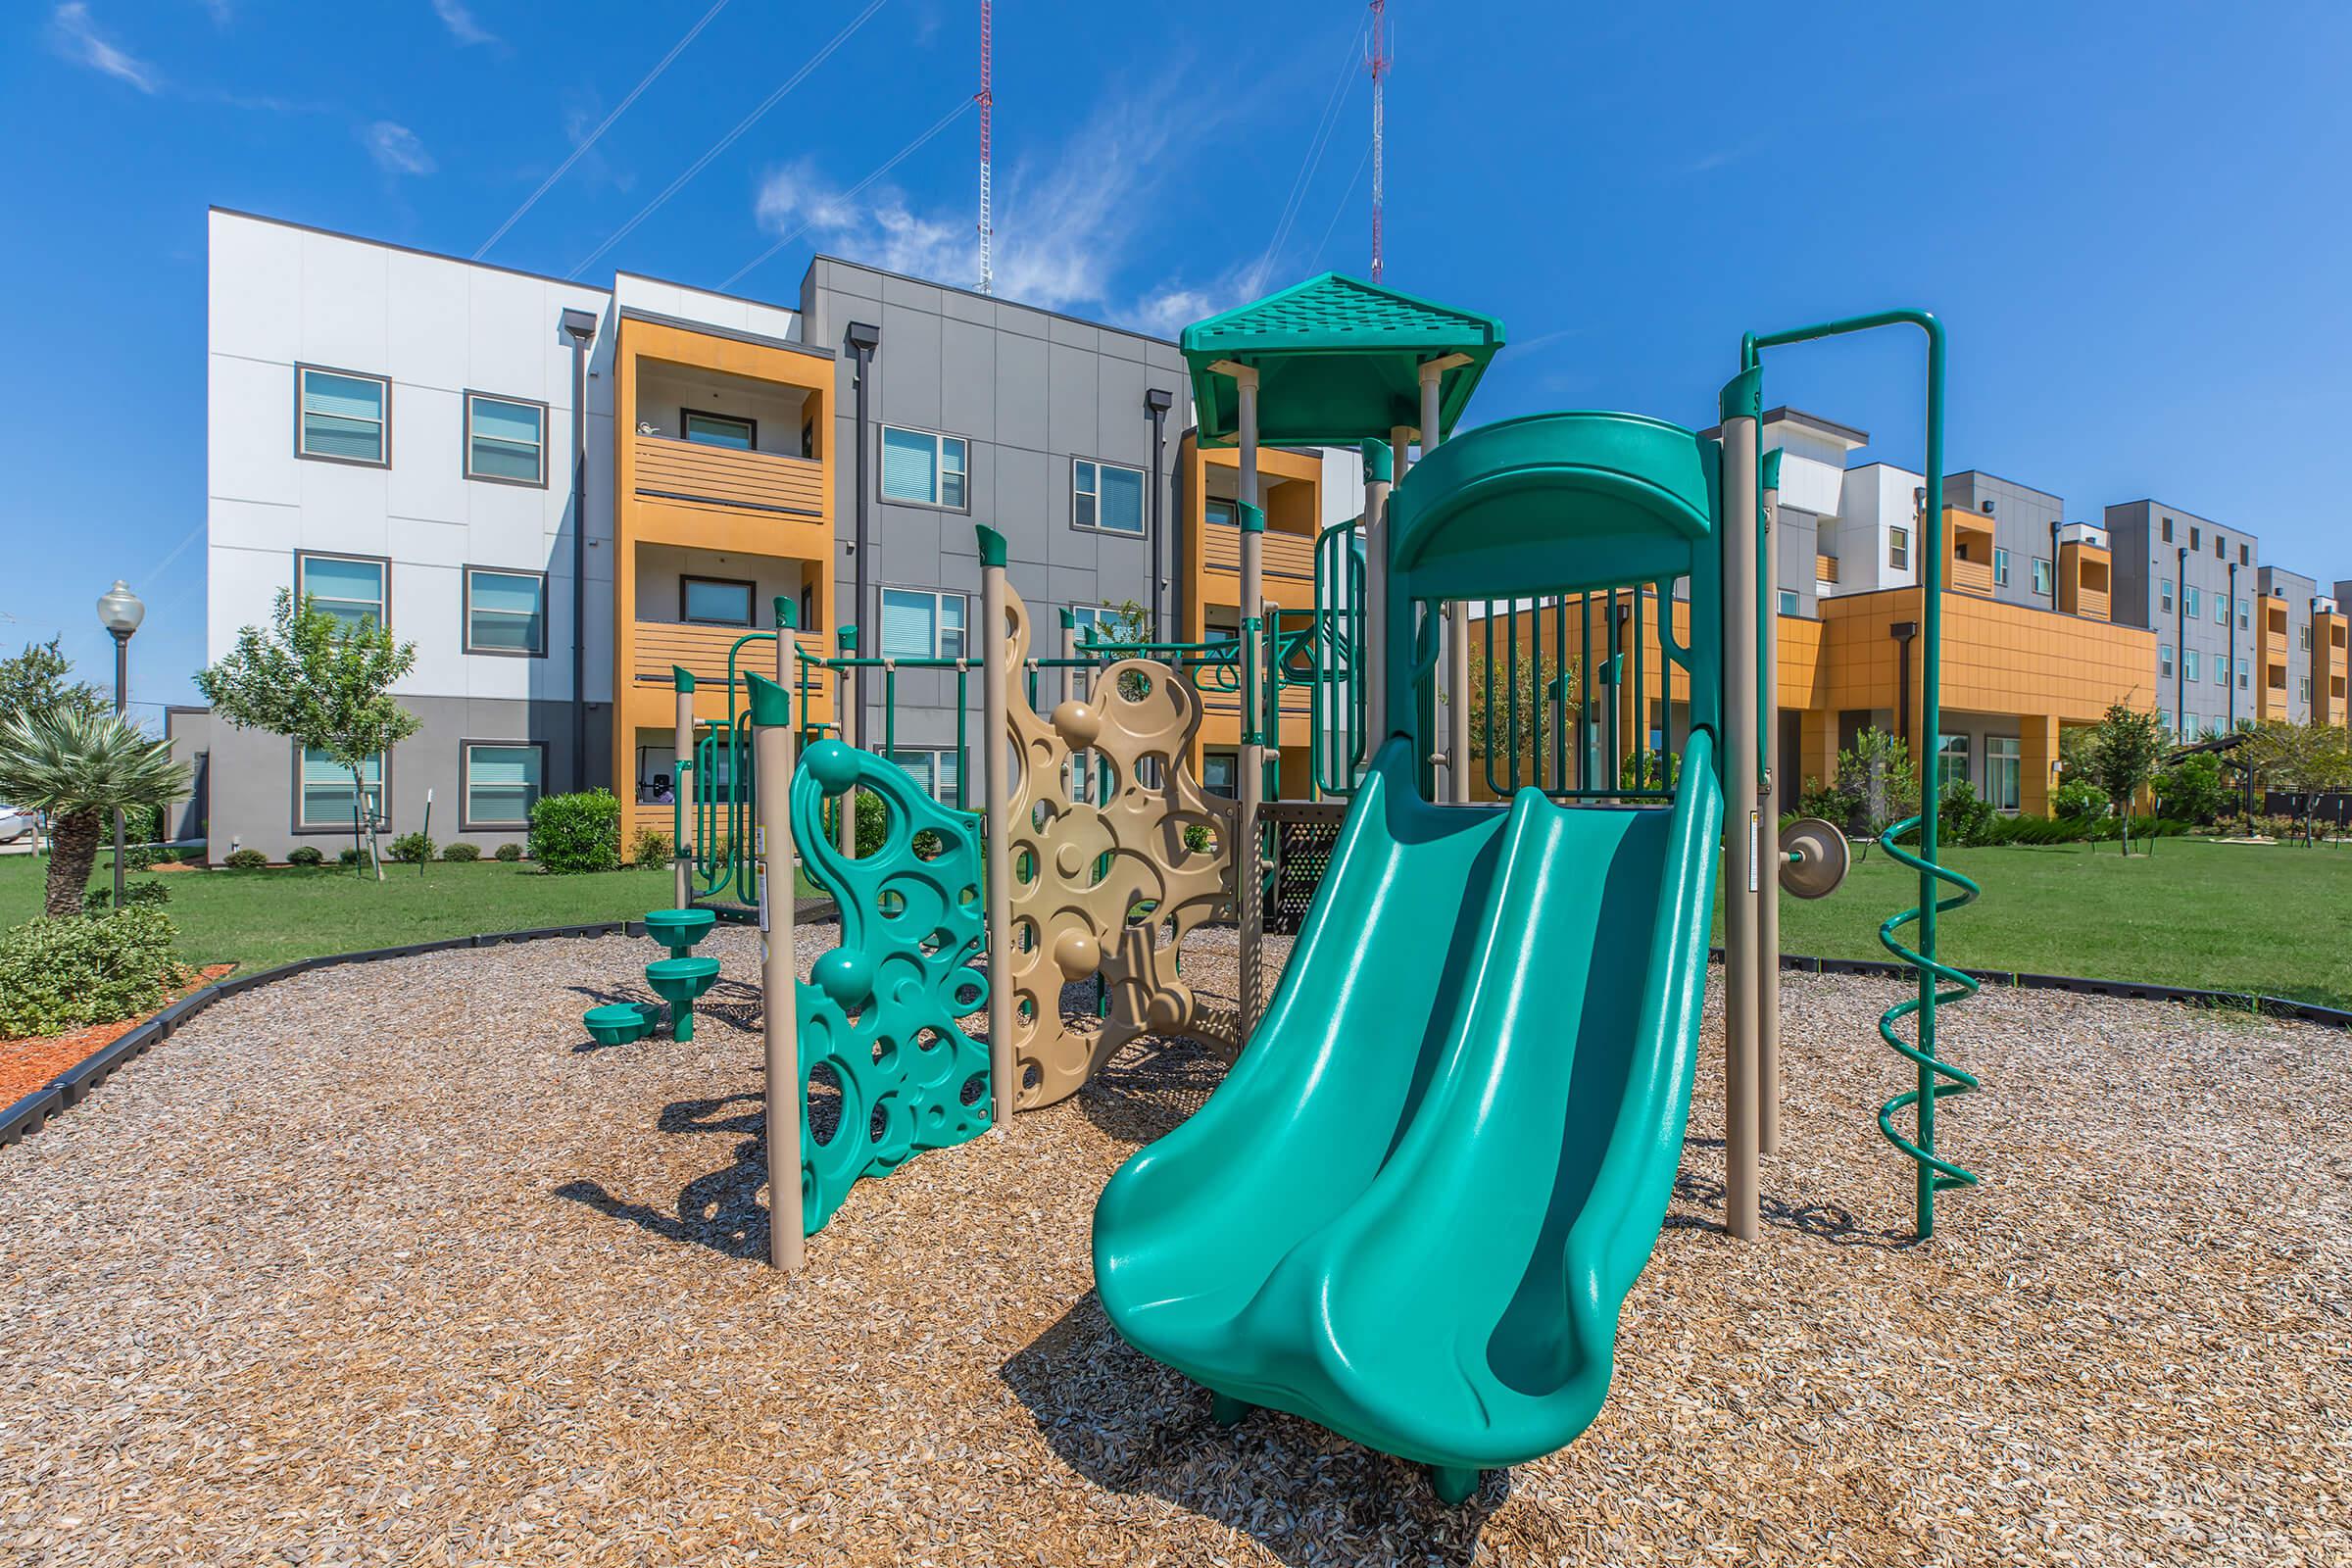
(1938, 982)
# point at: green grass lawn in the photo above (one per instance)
(2222, 917)
(2268, 918)
(261, 918)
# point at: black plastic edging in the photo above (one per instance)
(30, 1114)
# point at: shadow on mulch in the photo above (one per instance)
(729, 1002)
(722, 1211)
(1832, 1223)
(1150, 1088)
(1132, 1426)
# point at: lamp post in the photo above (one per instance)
(119, 611)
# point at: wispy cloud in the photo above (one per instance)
(396, 149)
(75, 36)
(459, 22)
(221, 12)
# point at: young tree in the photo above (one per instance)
(321, 683)
(2191, 788)
(1530, 711)
(2120, 757)
(80, 767)
(36, 680)
(2305, 760)
(1878, 782)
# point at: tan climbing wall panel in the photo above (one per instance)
(1083, 875)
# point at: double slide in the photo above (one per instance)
(1413, 1209)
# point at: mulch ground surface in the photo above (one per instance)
(394, 1266)
(30, 1062)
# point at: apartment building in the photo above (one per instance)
(2192, 581)
(559, 492)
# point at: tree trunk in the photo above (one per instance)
(73, 850)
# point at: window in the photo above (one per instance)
(2246, 557)
(922, 467)
(505, 440)
(506, 611)
(2189, 663)
(2242, 677)
(2303, 637)
(1217, 773)
(1898, 549)
(1788, 602)
(1225, 513)
(1951, 762)
(325, 798)
(498, 782)
(2168, 530)
(715, 601)
(1106, 496)
(2164, 659)
(2000, 566)
(2041, 575)
(2164, 721)
(2303, 688)
(720, 431)
(935, 769)
(2002, 772)
(2244, 614)
(2221, 669)
(2219, 551)
(2191, 602)
(2221, 609)
(350, 588)
(343, 417)
(1103, 624)
(2164, 599)
(2195, 537)
(917, 624)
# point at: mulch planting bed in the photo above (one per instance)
(31, 1063)
(392, 1266)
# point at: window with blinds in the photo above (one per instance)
(326, 794)
(500, 782)
(721, 430)
(924, 467)
(505, 440)
(917, 624)
(345, 418)
(1107, 497)
(935, 769)
(506, 611)
(350, 588)
(715, 601)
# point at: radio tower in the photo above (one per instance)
(1378, 62)
(987, 101)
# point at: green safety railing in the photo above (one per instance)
(1337, 745)
(1938, 982)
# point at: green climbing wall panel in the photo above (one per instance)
(878, 1015)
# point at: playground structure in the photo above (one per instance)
(1492, 1012)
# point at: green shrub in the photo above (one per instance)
(1965, 817)
(57, 975)
(509, 853)
(578, 832)
(140, 856)
(246, 860)
(2078, 796)
(305, 855)
(1824, 801)
(348, 855)
(2192, 790)
(652, 847)
(134, 894)
(463, 852)
(412, 849)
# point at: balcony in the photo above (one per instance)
(1286, 555)
(1971, 577)
(689, 474)
(703, 652)
(1825, 568)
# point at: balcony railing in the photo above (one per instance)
(1825, 568)
(703, 651)
(1971, 577)
(1286, 555)
(690, 474)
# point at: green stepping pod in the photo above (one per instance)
(878, 1015)
(1413, 1208)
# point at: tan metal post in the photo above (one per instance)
(1378, 466)
(1456, 629)
(1740, 827)
(1248, 896)
(996, 737)
(779, 968)
(681, 788)
(1768, 882)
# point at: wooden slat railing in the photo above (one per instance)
(689, 473)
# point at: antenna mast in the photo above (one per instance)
(987, 98)
(1379, 64)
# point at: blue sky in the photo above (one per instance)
(2132, 219)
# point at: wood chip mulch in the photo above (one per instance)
(392, 1266)
(32, 1061)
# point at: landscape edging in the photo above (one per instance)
(75, 1085)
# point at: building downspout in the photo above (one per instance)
(1902, 631)
(580, 327)
(2181, 644)
(862, 340)
(1157, 402)
(2229, 678)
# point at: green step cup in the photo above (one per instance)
(622, 1023)
(679, 930)
(678, 982)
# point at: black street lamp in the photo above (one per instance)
(119, 611)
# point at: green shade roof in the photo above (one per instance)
(1337, 361)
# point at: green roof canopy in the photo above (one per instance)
(1338, 360)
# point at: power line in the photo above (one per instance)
(565, 166)
(1309, 162)
(729, 139)
(1345, 197)
(896, 158)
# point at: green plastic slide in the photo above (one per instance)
(1412, 1209)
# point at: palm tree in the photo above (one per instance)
(80, 768)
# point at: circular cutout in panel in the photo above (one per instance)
(891, 902)
(1024, 867)
(886, 1054)
(824, 1103)
(928, 845)
(974, 1090)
